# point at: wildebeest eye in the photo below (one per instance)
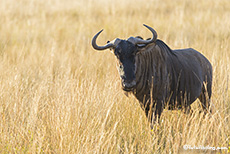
(118, 51)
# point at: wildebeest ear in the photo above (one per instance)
(141, 45)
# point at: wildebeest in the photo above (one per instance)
(160, 77)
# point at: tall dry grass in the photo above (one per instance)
(58, 95)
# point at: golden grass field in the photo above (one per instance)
(58, 95)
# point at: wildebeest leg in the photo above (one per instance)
(205, 98)
(155, 113)
(148, 110)
(158, 108)
(153, 110)
(188, 110)
(158, 111)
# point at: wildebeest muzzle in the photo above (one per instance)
(128, 86)
(127, 75)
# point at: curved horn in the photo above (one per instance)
(95, 46)
(140, 41)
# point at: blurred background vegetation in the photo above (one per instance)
(58, 95)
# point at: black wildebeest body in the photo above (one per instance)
(160, 77)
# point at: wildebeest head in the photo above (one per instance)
(125, 51)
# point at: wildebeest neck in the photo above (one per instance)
(150, 63)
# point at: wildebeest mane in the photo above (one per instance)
(164, 47)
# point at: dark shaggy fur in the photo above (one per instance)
(171, 78)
